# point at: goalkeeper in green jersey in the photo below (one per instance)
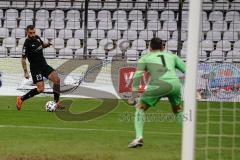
(164, 82)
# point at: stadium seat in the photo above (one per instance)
(171, 45)
(125, 4)
(106, 44)
(49, 52)
(230, 36)
(146, 35)
(64, 4)
(110, 4)
(213, 35)
(137, 25)
(119, 14)
(49, 33)
(9, 42)
(202, 55)
(216, 16)
(18, 4)
(42, 14)
(21, 41)
(207, 5)
(234, 26)
(139, 44)
(132, 55)
(1, 14)
(233, 55)
(38, 32)
(99, 53)
(5, 4)
(48, 4)
(164, 35)
(10, 23)
(42, 24)
(185, 25)
(73, 15)
(79, 53)
(73, 43)
(26, 14)
(4, 33)
(170, 26)
(207, 45)
(114, 52)
(92, 43)
(173, 5)
(16, 51)
(104, 15)
(114, 34)
(18, 33)
(205, 26)
(154, 26)
(157, 5)
(185, 15)
(91, 24)
(123, 44)
(130, 34)
(167, 15)
(65, 33)
(25, 23)
(98, 34)
(78, 4)
(57, 24)
(232, 16)
(183, 35)
(217, 55)
(33, 4)
(152, 15)
(236, 45)
(58, 43)
(73, 24)
(65, 53)
(11, 14)
(221, 5)
(220, 26)
(141, 4)
(79, 34)
(184, 45)
(223, 45)
(57, 15)
(95, 4)
(105, 24)
(135, 15)
(3, 52)
(121, 24)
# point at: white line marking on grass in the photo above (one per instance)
(85, 129)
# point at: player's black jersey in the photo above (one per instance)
(33, 50)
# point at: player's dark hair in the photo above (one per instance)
(156, 44)
(30, 27)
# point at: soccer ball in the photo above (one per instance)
(50, 106)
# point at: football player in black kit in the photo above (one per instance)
(33, 50)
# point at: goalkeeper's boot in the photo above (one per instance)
(19, 103)
(138, 142)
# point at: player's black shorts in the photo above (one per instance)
(39, 72)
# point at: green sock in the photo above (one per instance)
(179, 117)
(139, 122)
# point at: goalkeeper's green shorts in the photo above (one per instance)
(173, 94)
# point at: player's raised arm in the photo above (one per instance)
(180, 65)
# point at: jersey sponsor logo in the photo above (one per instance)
(224, 81)
(126, 80)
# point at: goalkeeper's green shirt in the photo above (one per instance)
(161, 65)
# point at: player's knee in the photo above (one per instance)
(40, 89)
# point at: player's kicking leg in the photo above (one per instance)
(53, 76)
(139, 123)
(31, 93)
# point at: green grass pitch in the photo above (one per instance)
(34, 134)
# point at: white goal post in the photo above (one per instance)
(189, 126)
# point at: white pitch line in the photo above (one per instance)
(85, 129)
